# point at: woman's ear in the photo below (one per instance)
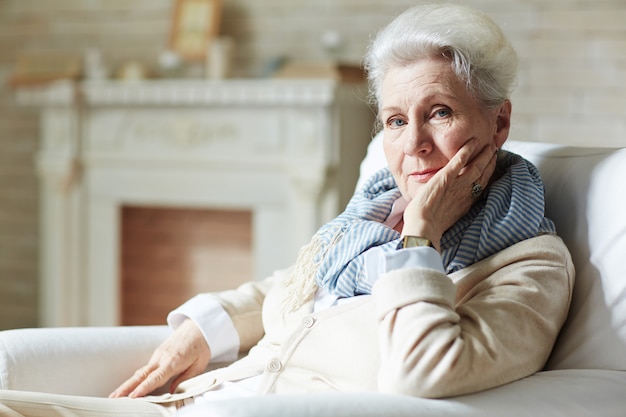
(503, 123)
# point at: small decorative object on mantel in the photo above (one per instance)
(94, 65)
(195, 23)
(170, 65)
(333, 43)
(36, 68)
(132, 71)
(220, 58)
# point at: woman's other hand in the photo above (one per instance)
(183, 355)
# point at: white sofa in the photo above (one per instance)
(585, 376)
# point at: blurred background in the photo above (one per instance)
(571, 88)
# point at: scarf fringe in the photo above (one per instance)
(301, 284)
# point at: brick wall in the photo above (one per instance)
(168, 255)
(571, 88)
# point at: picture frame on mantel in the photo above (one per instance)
(194, 24)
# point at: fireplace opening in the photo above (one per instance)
(168, 255)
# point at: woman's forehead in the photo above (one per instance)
(421, 81)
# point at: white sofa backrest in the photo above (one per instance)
(586, 198)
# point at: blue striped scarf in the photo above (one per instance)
(510, 210)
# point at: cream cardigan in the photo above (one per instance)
(420, 333)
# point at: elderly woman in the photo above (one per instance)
(441, 278)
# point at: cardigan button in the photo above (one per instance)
(274, 365)
(308, 321)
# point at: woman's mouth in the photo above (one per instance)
(423, 176)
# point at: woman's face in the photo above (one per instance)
(428, 115)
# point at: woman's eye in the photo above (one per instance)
(442, 113)
(395, 122)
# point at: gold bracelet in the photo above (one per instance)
(415, 241)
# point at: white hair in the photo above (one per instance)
(479, 53)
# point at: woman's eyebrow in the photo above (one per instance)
(431, 97)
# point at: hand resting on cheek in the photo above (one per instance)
(447, 196)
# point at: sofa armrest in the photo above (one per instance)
(90, 361)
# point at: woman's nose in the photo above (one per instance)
(419, 140)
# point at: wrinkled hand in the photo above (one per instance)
(447, 196)
(183, 355)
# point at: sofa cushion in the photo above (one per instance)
(579, 392)
(585, 198)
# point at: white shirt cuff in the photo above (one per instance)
(214, 323)
(378, 262)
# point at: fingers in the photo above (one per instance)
(480, 168)
(133, 382)
(490, 167)
(469, 172)
(154, 380)
(483, 168)
(189, 373)
(459, 163)
(144, 381)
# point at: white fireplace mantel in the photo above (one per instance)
(287, 150)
